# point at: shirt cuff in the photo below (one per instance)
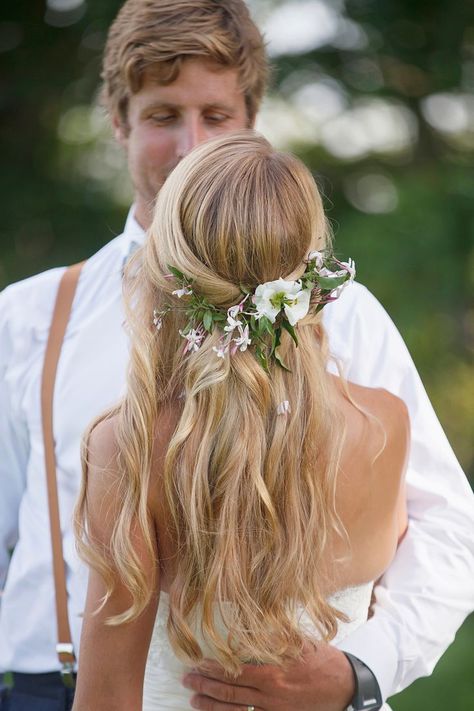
(374, 645)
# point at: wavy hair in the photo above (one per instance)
(251, 493)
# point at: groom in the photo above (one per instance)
(177, 73)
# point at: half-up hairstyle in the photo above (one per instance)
(251, 492)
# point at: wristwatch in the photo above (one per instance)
(367, 695)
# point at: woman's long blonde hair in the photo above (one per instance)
(251, 492)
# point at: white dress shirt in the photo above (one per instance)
(422, 599)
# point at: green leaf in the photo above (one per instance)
(274, 344)
(207, 321)
(331, 282)
(288, 327)
(245, 289)
(175, 272)
(307, 282)
(276, 340)
(267, 325)
(280, 362)
(262, 358)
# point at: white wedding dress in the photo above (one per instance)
(163, 688)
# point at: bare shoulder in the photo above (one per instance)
(371, 488)
(101, 475)
(101, 446)
(390, 410)
(377, 431)
(386, 446)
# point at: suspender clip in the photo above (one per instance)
(67, 666)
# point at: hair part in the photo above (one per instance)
(152, 39)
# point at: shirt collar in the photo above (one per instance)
(134, 235)
(132, 229)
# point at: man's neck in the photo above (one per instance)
(142, 215)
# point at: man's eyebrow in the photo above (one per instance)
(160, 105)
(219, 106)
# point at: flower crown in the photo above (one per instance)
(261, 315)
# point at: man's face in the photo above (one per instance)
(167, 122)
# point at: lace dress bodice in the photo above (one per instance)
(163, 688)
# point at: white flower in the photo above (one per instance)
(221, 350)
(194, 339)
(325, 272)
(347, 268)
(350, 267)
(318, 256)
(232, 321)
(232, 324)
(243, 340)
(233, 311)
(185, 291)
(157, 320)
(273, 296)
(283, 408)
(299, 307)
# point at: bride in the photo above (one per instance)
(240, 500)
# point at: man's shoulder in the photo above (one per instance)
(364, 341)
(28, 304)
(31, 298)
(354, 301)
(100, 283)
(352, 315)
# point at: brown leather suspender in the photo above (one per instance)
(61, 313)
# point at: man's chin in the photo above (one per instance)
(155, 187)
(170, 170)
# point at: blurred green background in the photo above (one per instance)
(377, 96)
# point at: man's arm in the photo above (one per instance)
(428, 589)
(14, 441)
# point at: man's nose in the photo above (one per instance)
(193, 133)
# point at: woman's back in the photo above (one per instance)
(370, 498)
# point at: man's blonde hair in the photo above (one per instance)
(151, 38)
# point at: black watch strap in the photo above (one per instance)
(367, 695)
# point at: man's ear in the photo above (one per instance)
(120, 131)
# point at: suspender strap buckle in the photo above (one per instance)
(66, 656)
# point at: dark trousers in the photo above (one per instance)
(37, 692)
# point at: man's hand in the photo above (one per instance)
(321, 680)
